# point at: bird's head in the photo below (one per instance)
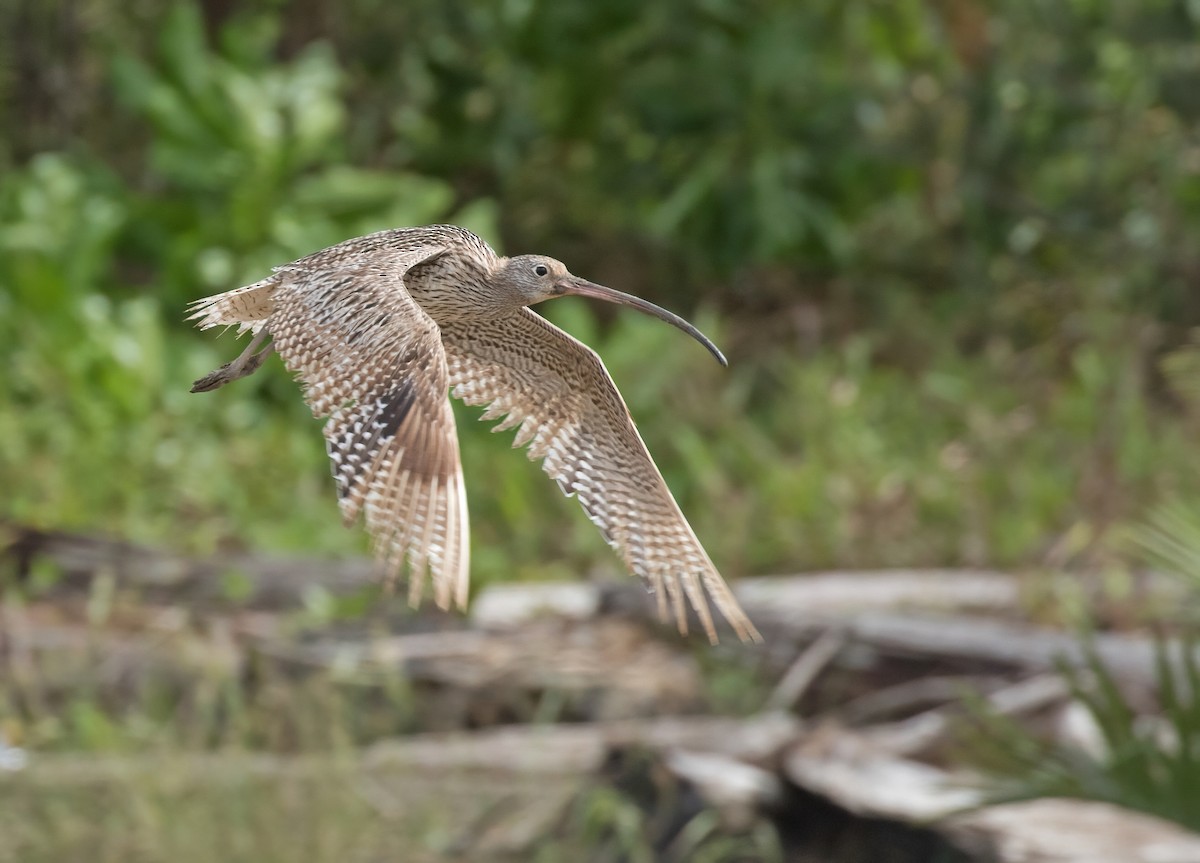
(535, 278)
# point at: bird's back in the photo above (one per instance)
(449, 287)
(391, 243)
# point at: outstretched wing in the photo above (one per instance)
(372, 362)
(570, 414)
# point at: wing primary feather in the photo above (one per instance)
(371, 362)
(464, 544)
(556, 392)
(658, 586)
(441, 584)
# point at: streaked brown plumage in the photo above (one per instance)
(379, 328)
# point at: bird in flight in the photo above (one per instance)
(378, 329)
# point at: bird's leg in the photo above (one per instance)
(247, 363)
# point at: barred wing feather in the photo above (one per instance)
(371, 362)
(558, 394)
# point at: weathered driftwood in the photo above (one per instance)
(981, 647)
(924, 731)
(517, 749)
(497, 790)
(910, 697)
(808, 595)
(864, 606)
(264, 581)
(621, 668)
(858, 776)
(583, 747)
(600, 669)
(732, 764)
(802, 673)
(108, 657)
(741, 767)
(867, 772)
(558, 638)
(999, 643)
(518, 780)
(1072, 831)
(955, 590)
(518, 603)
(894, 612)
(890, 612)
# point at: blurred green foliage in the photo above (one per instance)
(946, 242)
(326, 808)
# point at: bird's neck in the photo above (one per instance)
(458, 288)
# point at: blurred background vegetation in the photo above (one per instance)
(948, 245)
(945, 244)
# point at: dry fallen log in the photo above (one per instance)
(862, 604)
(857, 775)
(615, 666)
(518, 749)
(511, 785)
(1072, 831)
(495, 791)
(58, 657)
(557, 639)
(732, 764)
(269, 582)
(953, 590)
(511, 605)
(602, 669)
(1000, 643)
(583, 747)
(810, 594)
(923, 732)
(805, 670)
(862, 609)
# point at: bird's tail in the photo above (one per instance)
(247, 308)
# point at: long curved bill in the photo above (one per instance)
(575, 286)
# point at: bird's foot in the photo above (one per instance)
(247, 364)
(215, 379)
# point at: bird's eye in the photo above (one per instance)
(541, 270)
